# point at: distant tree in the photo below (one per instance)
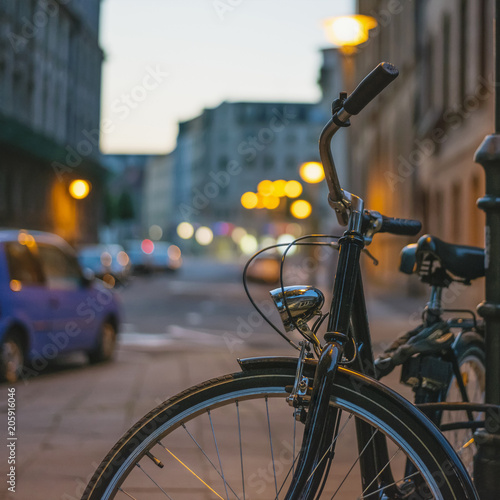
(125, 206)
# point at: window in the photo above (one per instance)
(61, 270)
(268, 162)
(23, 266)
(291, 163)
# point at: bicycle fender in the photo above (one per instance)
(288, 363)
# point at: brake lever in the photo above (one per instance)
(375, 225)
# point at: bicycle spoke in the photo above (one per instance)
(208, 458)
(218, 454)
(271, 444)
(190, 470)
(388, 485)
(128, 494)
(159, 487)
(354, 464)
(330, 448)
(288, 474)
(241, 449)
(381, 470)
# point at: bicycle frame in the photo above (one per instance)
(347, 313)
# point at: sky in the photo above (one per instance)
(166, 60)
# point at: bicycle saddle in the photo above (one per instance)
(462, 261)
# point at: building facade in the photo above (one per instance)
(50, 80)
(414, 145)
(158, 194)
(228, 150)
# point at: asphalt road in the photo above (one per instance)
(178, 330)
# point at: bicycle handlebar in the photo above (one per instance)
(373, 83)
(403, 227)
(367, 90)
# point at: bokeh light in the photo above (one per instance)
(204, 235)
(293, 189)
(237, 234)
(147, 246)
(155, 232)
(249, 200)
(122, 258)
(79, 189)
(265, 188)
(301, 209)
(349, 30)
(294, 228)
(174, 252)
(267, 241)
(106, 259)
(185, 230)
(248, 244)
(279, 188)
(286, 238)
(271, 202)
(312, 172)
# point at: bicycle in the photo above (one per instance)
(439, 364)
(302, 412)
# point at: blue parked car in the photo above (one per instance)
(48, 307)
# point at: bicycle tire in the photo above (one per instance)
(471, 360)
(173, 431)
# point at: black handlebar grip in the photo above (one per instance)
(403, 227)
(371, 85)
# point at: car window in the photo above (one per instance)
(61, 270)
(23, 265)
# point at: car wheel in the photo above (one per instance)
(106, 344)
(11, 358)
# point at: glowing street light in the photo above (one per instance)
(312, 172)
(185, 230)
(204, 235)
(301, 209)
(79, 189)
(249, 200)
(279, 188)
(293, 189)
(265, 188)
(271, 202)
(349, 31)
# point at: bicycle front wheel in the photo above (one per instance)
(236, 437)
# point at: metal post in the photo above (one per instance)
(487, 460)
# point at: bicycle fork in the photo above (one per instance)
(321, 423)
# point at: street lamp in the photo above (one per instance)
(312, 172)
(347, 32)
(79, 189)
(301, 209)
